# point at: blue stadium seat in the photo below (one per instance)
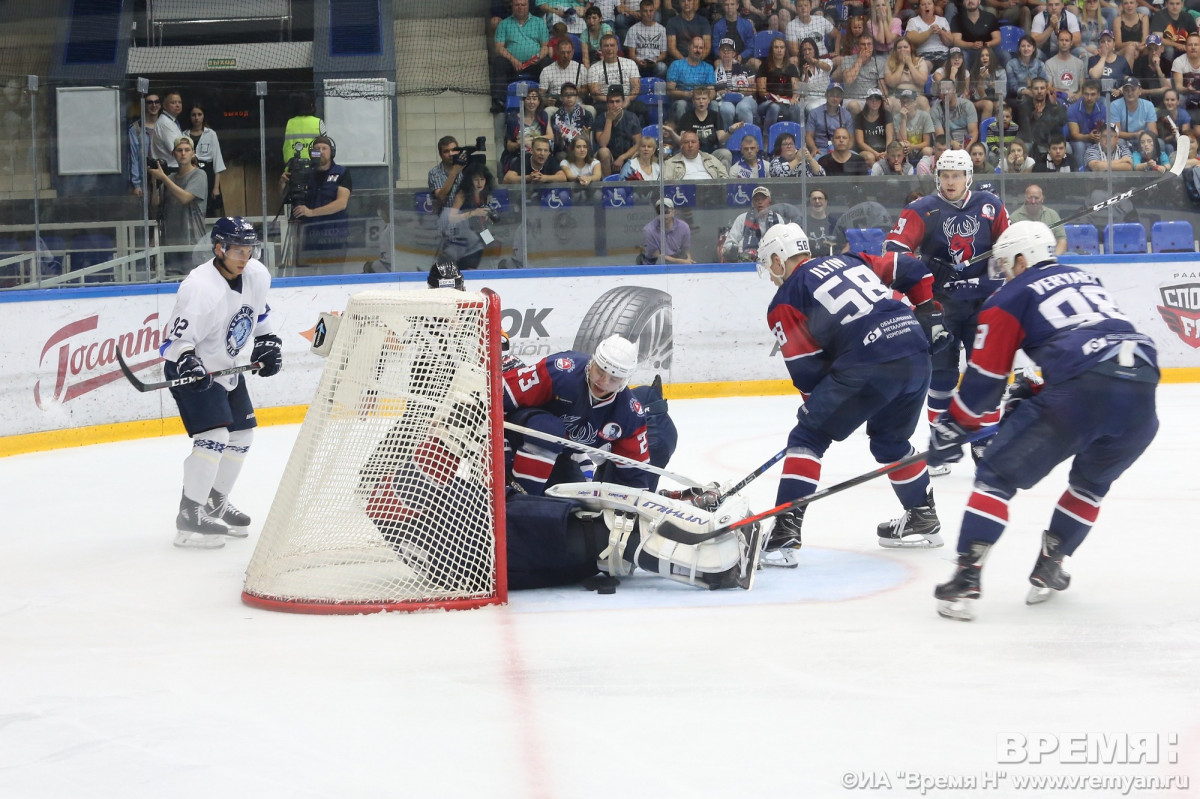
(578, 47)
(986, 125)
(1175, 236)
(762, 41)
(651, 131)
(513, 100)
(734, 143)
(1010, 36)
(865, 239)
(1082, 239)
(1125, 237)
(784, 127)
(612, 177)
(646, 95)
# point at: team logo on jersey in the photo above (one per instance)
(610, 431)
(564, 364)
(988, 212)
(241, 325)
(1180, 310)
(635, 406)
(960, 231)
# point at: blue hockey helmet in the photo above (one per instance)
(236, 231)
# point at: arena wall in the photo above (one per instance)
(701, 327)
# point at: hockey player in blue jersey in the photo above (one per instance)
(857, 356)
(1096, 406)
(947, 230)
(583, 398)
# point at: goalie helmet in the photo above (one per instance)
(232, 231)
(955, 161)
(444, 274)
(1032, 239)
(782, 240)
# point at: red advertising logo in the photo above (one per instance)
(1181, 311)
(82, 362)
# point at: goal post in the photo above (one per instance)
(393, 496)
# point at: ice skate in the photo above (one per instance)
(945, 457)
(784, 541)
(939, 470)
(957, 597)
(1047, 574)
(918, 527)
(220, 508)
(194, 529)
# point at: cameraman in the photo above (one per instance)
(319, 203)
(465, 222)
(444, 178)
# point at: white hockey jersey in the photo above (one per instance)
(216, 319)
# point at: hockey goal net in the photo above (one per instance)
(392, 498)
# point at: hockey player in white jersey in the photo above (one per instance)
(221, 310)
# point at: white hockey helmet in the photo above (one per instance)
(955, 160)
(618, 357)
(1032, 239)
(783, 240)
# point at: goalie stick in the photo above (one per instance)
(750, 478)
(179, 381)
(599, 453)
(684, 537)
(1181, 157)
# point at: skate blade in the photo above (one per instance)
(958, 609)
(189, 540)
(779, 559)
(237, 532)
(940, 470)
(1038, 594)
(929, 541)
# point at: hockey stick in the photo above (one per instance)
(599, 453)
(750, 478)
(684, 537)
(1181, 157)
(179, 381)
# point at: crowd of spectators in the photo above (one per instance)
(866, 84)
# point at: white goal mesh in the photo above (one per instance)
(392, 498)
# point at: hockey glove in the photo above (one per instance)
(1025, 387)
(933, 322)
(189, 365)
(946, 437)
(706, 498)
(268, 350)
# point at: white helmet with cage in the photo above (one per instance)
(783, 240)
(1032, 239)
(954, 160)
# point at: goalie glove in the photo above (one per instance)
(190, 365)
(706, 498)
(1025, 387)
(933, 321)
(268, 350)
(946, 436)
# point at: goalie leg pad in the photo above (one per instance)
(550, 542)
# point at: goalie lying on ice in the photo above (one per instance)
(616, 529)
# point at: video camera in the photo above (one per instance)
(465, 154)
(300, 170)
(155, 163)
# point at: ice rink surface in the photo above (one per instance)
(130, 668)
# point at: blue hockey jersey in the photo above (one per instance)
(834, 311)
(939, 231)
(1064, 320)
